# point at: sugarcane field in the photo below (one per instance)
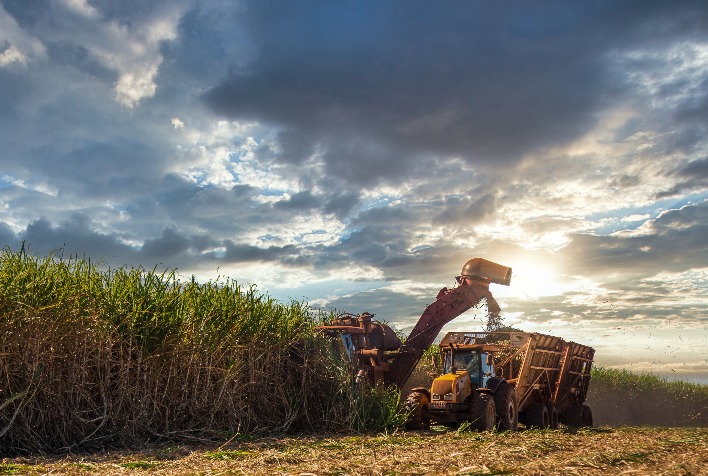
(130, 371)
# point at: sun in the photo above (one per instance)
(531, 278)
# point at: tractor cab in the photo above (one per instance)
(460, 352)
(477, 362)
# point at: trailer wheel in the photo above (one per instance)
(586, 416)
(483, 413)
(573, 416)
(507, 405)
(553, 420)
(417, 406)
(537, 416)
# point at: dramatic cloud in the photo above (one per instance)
(355, 154)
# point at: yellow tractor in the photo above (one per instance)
(468, 391)
(499, 379)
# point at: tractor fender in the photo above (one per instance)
(494, 383)
(423, 390)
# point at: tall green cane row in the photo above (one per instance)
(93, 357)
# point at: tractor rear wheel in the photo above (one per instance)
(553, 421)
(537, 416)
(483, 412)
(417, 406)
(507, 405)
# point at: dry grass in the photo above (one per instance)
(594, 451)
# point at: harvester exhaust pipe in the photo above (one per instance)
(487, 271)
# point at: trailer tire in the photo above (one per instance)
(573, 416)
(537, 416)
(483, 413)
(553, 420)
(417, 406)
(507, 406)
(586, 416)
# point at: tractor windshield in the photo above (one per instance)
(463, 361)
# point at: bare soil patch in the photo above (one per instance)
(591, 451)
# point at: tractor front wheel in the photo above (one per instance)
(507, 405)
(417, 407)
(483, 413)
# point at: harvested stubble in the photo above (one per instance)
(92, 358)
(591, 451)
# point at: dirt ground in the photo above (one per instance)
(592, 451)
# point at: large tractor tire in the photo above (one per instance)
(537, 416)
(553, 420)
(507, 406)
(417, 406)
(483, 413)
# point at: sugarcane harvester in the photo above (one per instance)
(539, 379)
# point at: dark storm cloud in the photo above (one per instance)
(76, 238)
(386, 305)
(341, 204)
(467, 210)
(676, 241)
(693, 176)
(301, 201)
(695, 109)
(7, 236)
(244, 253)
(170, 244)
(361, 84)
(697, 169)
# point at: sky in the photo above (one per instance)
(355, 154)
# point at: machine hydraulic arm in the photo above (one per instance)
(447, 307)
(376, 352)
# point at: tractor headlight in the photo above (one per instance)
(436, 396)
(448, 397)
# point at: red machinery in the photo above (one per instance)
(376, 353)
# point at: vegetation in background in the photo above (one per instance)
(91, 357)
(618, 397)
